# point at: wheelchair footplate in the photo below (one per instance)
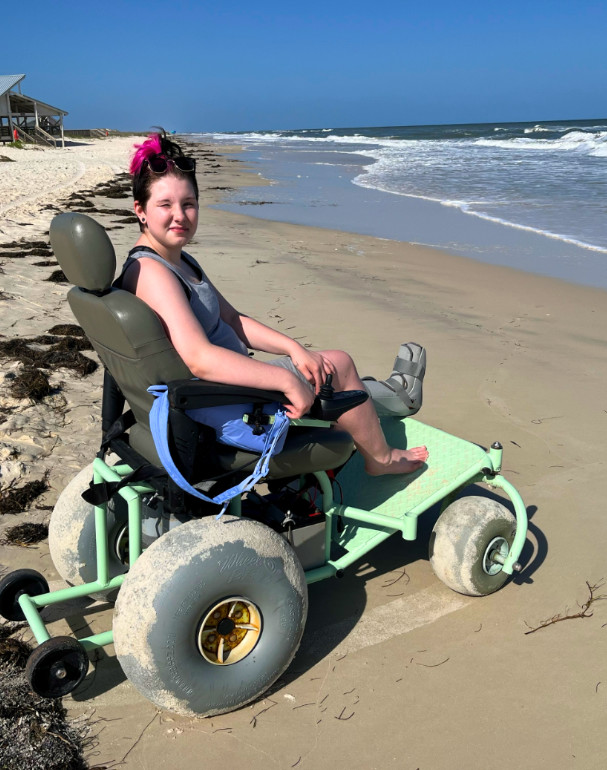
(371, 508)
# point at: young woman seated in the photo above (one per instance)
(210, 335)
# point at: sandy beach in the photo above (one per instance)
(395, 670)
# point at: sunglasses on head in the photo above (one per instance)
(159, 164)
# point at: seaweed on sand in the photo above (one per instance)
(127, 220)
(81, 202)
(57, 276)
(13, 254)
(39, 252)
(66, 352)
(35, 245)
(63, 342)
(31, 383)
(118, 212)
(67, 329)
(34, 732)
(71, 359)
(24, 535)
(13, 651)
(17, 499)
(15, 348)
(31, 249)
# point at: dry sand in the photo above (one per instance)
(395, 671)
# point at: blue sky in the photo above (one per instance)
(201, 66)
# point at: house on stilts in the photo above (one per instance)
(28, 119)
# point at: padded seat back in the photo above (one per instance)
(126, 334)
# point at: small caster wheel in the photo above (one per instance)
(469, 543)
(57, 667)
(13, 585)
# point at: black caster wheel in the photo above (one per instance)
(57, 667)
(13, 585)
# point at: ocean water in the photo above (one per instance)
(528, 195)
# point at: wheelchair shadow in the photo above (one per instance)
(337, 605)
(104, 672)
(104, 675)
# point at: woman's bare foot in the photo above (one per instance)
(399, 461)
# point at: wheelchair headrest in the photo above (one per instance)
(84, 251)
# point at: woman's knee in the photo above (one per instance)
(346, 369)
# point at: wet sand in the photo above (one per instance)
(394, 670)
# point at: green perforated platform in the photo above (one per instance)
(452, 462)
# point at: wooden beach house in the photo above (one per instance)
(28, 119)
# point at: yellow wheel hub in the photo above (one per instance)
(229, 631)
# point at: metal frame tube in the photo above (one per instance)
(521, 521)
(328, 509)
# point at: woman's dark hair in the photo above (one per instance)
(143, 178)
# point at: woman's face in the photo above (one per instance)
(171, 213)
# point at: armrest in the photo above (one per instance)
(195, 394)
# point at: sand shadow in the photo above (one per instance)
(533, 555)
(337, 605)
(105, 673)
(74, 143)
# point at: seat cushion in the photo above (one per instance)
(306, 450)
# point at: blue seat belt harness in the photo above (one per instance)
(272, 441)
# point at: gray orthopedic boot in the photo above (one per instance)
(401, 393)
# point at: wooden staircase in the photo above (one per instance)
(38, 137)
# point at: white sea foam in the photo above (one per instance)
(594, 144)
(276, 138)
(591, 143)
(537, 129)
(538, 231)
(544, 178)
(466, 208)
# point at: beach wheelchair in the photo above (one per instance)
(210, 611)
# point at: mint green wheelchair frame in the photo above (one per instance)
(385, 505)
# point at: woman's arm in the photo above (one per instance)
(257, 336)
(161, 290)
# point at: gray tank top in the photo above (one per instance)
(202, 297)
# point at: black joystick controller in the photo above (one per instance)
(329, 405)
(326, 389)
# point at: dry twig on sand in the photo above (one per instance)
(583, 613)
